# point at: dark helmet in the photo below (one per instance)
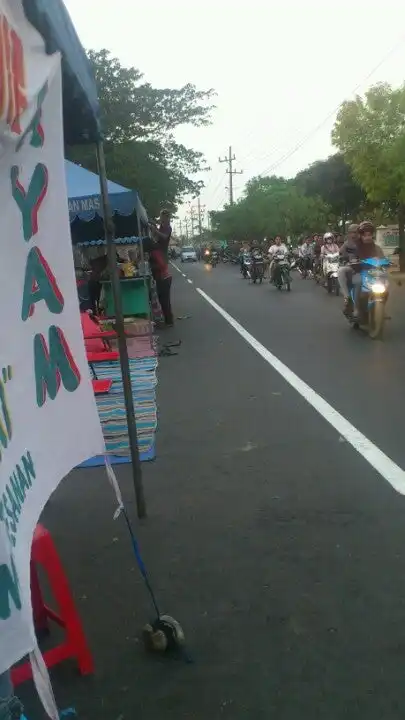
(366, 226)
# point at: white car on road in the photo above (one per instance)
(188, 254)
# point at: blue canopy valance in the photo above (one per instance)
(118, 241)
(83, 187)
(86, 207)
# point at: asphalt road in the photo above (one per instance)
(307, 332)
(276, 544)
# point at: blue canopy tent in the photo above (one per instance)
(81, 120)
(86, 206)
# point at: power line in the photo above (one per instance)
(217, 189)
(230, 171)
(192, 215)
(221, 202)
(200, 215)
(197, 215)
(313, 132)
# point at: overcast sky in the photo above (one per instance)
(280, 69)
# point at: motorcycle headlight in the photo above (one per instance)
(378, 288)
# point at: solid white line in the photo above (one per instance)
(391, 472)
(189, 281)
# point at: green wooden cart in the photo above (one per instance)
(134, 297)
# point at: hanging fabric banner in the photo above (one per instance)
(48, 417)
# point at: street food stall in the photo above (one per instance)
(86, 218)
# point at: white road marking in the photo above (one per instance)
(175, 266)
(184, 274)
(189, 281)
(390, 471)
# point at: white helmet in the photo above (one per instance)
(328, 236)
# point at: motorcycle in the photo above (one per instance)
(304, 266)
(211, 258)
(373, 297)
(282, 277)
(293, 261)
(257, 267)
(317, 273)
(246, 268)
(330, 272)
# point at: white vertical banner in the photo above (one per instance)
(48, 416)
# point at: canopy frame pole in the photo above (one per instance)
(120, 329)
(145, 284)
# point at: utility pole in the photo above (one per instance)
(230, 171)
(200, 210)
(192, 218)
(181, 229)
(186, 224)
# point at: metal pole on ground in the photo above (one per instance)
(145, 283)
(122, 343)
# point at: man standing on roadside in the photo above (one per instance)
(159, 264)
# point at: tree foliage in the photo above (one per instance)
(370, 132)
(270, 206)
(332, 180)
(138, 122)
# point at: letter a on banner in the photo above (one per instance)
(40, 284)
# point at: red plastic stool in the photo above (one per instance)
(101, 387)
(43, 552)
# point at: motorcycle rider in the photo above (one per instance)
(329, 246)
(214, 255)
(345, 274)
(256, 251)
(279, 248)
(366, 248)
(316, 251)
(256, 255)
(266, 258)
(305, 250)
(245, 258)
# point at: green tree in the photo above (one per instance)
(138, 123)
(332, 180)
(270, 206)
(370, 132)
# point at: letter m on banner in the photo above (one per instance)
(13, 97)
(54, 366)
